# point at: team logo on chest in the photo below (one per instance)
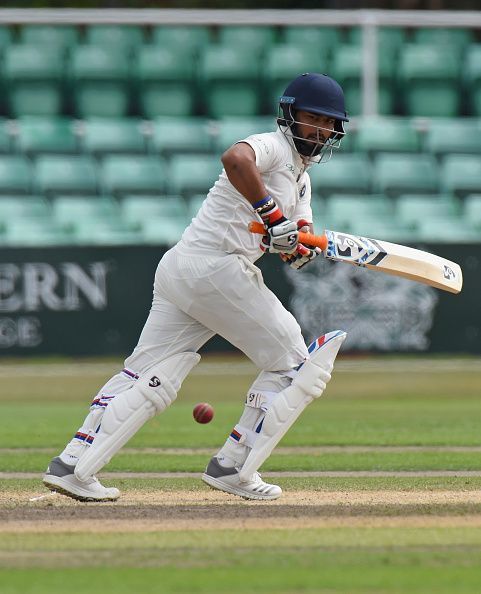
(302, 191)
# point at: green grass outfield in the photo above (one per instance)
(371, 534)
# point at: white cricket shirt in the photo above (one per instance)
(222, 221)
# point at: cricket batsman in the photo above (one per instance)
(209, 284)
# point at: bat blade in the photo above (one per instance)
(395, 259)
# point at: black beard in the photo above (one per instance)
(306, 148)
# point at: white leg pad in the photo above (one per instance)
(130, 410)
(309, 383)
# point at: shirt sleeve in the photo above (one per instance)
(303, 208)
(266, 150)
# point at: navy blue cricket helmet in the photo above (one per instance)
(315, 93)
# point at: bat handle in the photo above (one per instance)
(319, 241)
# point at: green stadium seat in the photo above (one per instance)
(461, 174)
(115, 37)
(15, 175)
(33, 80)
(37, 135)
(100, 81)
(257, 38)
(447, 230)
(399, 173)
(472, 210)
(453, 135)
(190, 38)
(137, 209)
(347, 70)
(62, 174)
(342, 211)
(61, 37)
(323, 40)
(344, 173)
(455, 39)
(123, 175)
(472, 78)
(229, 86)
(390, 39)
(105, 232)
(6, 36)
(34, 232)
(412, 208)
(165, 79)
(186, 135)
(192, 174)
(429, 80)
(5, 137)
(386, 134)
(158, 231)
(282, 63)
(231, 129)
(112, 135)
(69, 210)
(20, 206)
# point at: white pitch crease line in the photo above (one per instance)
(280, 474)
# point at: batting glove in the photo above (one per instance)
(282, 235)
(303, 254)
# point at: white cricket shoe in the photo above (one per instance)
(227, 479)
(60, 477)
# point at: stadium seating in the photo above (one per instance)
(15, 175)
(165, 81)
(177, 134)
(411, 209)
(390, 39)
(33, 79)
(16, 207)
(137, 209)
(60, 37)
(455, 39)
(472, 79)
(344, 173)
(472, 210)
(111, 135)
(229, 130)
(100, 81)
(122, 175)
(36, 135)
(341, 210)
(454, 135)
(461, 174)
(73, 210)
(282, 63)
(257, 38)
(189, 38)
(124, 38)
(229, 86)
(429, 80)
(34, 232)
(387, 135)
(63, 174)
(191, 174)
(323, 40)
(398, 173)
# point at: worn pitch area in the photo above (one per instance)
(138, 511)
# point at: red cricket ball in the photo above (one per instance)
(203, 412)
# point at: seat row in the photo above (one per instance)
(261, 37)
(96, 79)
(388, 173)
(167, 135)
(35, 220)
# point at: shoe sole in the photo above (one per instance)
(49, 482)
(220, 486)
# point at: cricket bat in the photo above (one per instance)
(391, 258)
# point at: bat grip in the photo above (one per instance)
(319, 241)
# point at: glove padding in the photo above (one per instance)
(303, 254)
(282, 237)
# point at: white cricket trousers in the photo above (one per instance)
(195, 297)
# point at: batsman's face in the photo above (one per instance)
(314, 127)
